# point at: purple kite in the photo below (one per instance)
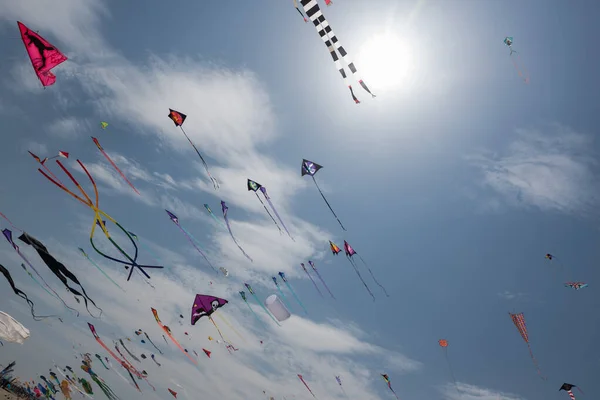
(350, 252)
(205, 305)
(42, 54)
(225, 208)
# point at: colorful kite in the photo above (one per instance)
(314, 13)
(214, 216)
(43, 55)
(225, 208)
(519, 321)
(350, 252)
(208, 353)
(576, 285)
(284, 279)
(310, 168)
(168, 333)
(99, 269)
(255, 186)
(113, 164)
(243, 294)
(312, 264)
(516, 60)
(205, 306)
(567, 387)
(21, 294)
(103, 125)
(444, 345)
(311, 279)
(189, 236)
(259, 303)
(302, 379)
(386, 378)
(178, 119)
(98, 221)
(100, 359)
(108, 392)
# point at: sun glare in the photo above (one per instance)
(385, 62)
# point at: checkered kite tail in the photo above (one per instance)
(314, 13)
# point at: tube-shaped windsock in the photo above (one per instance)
(277, 308)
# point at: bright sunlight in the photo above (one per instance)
(385, 62)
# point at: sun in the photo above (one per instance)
(385, 62)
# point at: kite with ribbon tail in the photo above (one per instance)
(8, 235)
(567, 387)
(154, 359)
(312, 264)
(131, 261)
(314, 13)
(101, 361)
(305, 384)
(576, 285)
(103, 124)
(284, 279)
(386, 378)
(339, 381)
(21, 294)
(189, 236)
(152, 343)
(178, 119)
(99, 269)
(311, 279)
(168, 333)
(214, 216)
(97, 143)
(43, 55)
(351, 252)
(204, 306)
(310, 168)
(508, 41)
(224, 208)
(255, 186)
(259, 303)
(519, 321)
(243, 294)
(129, 352)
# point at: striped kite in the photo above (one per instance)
(519, 321)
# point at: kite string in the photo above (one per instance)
(360, 276)
(214, 181)
(295, 296)
(373, 276)
(451, 370)
(231, 326)
(268, 212)
(535, 361)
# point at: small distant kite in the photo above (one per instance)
(519, 321)
(43, 55)
(576, 285)
(444, 345)
(173, 393)
(178, 119)
(567, 387)
(516, 61)
(305, 384)
(386, 378)
(103, 125)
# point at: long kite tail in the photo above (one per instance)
(115, 166)
(213, 180)
(102, 271)
(231, 326)
(360, 276)
(323, 282)
(195, 243)
(326, 202)
(129, 352)
(255, 315)
(373, 276)
(278, 217)
(394, 393)
(313, 282)
(236, 242)
(296, 297)
(214, 216)
(265, 309)
(152, 343)
(521, 70)
(537, 367)
(268, 212)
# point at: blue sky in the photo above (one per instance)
(453, 184)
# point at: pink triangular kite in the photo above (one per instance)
(43, 55)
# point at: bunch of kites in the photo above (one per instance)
(44, 58)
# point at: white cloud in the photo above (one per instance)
(68, 127)
(464, 391)
(552, 169)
